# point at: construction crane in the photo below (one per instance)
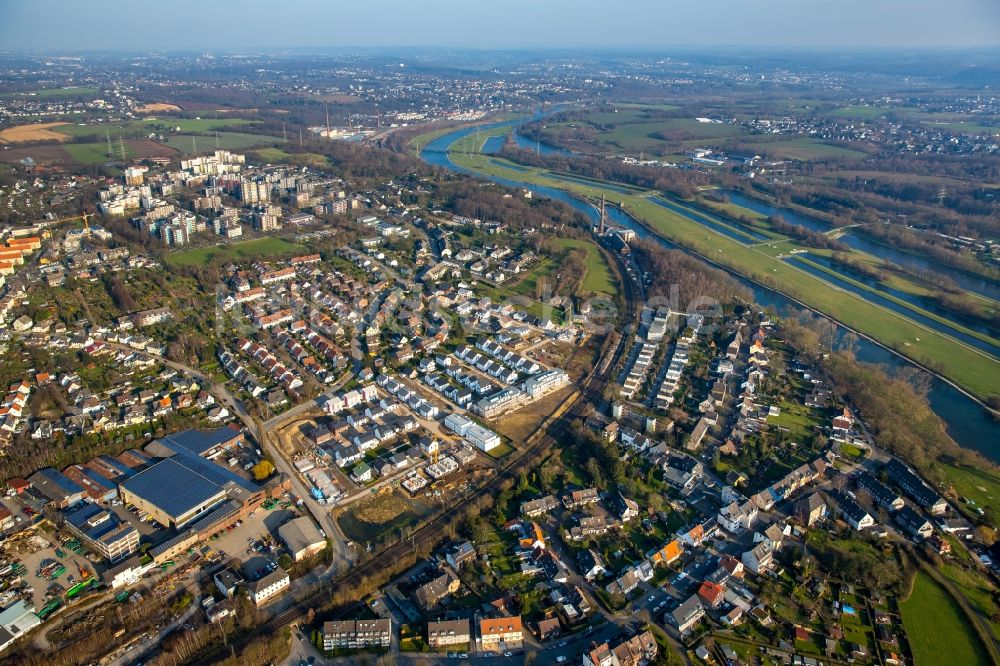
(82, 216)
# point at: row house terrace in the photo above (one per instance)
(267, 360)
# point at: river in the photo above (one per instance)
(965, 420)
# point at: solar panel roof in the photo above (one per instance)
(199, 441)
(173, 487)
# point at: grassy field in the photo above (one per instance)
(860, 112)
(261, 247)
(55, 93)
(935, 627)
(276, 154)
(803, 149)
(189, 144)
(900, 302)
(474, 143)
(528, 284)
(521, 302)
(967, 367)
(798, 419)
(982, 486)
(86, 153)
(598, 277)
(964, 128)
(636, 129)
(144, 127)
(652, 107)
(93, 153)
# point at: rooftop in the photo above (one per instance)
(173, 487)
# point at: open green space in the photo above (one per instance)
(598, 276)
(967, 367)
(521, 302)
(473, 143)
(528, 284)
(935, 626)
(261, 247)
(980, 485)
(189, 144)
(731, 209)
(276, 154)
(651, 106)
(93, 153)
(979, 591)
(798, 419)
(380, 516)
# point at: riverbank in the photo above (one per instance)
(975, 372)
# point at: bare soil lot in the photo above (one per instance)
(153, 107)
(519, 425)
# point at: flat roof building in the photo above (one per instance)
(204, 443)
(102, 532)
(172, 493)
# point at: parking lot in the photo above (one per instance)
(233, 544)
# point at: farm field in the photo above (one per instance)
(806, 149)
(964, 127)
(860, 112)
(189, 144)
(935, 626)
(85, 153)
(645, 129)
(635, 130)
(897, 177)
(32, 132)
(261, 247)
(55, 93)
(150, 125)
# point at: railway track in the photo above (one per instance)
(434, 531)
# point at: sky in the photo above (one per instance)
(248, 25)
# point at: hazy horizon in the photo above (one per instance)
(255, 25)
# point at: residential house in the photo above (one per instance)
(501, 634)
(538, 507)
(431, 593)
(446, 633)
(913, 523)
(686, 615)
(357, 634)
